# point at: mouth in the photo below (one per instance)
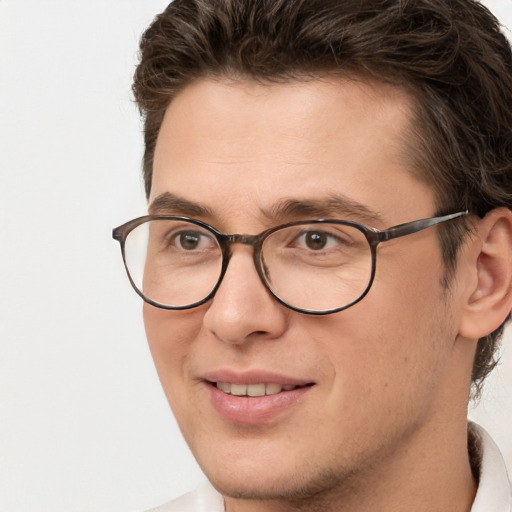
(257, 396)
(256, 403)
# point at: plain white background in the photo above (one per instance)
(84, 426)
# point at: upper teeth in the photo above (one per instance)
(253, 389)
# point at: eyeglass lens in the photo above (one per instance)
(315, 267)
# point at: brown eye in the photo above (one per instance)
(189, 241)
(315, 240)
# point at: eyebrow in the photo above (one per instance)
(338, 206)
(168, 203)
(334, 206)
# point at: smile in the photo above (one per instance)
(255, 403)
(253, 390)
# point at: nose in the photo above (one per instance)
(243, 309)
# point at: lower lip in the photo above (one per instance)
(259, 410)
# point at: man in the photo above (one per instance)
(327, 260)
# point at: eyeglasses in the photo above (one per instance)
(312, 266)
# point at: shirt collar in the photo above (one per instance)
(494, 491)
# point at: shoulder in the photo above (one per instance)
(203, 499)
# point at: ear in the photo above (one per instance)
(488, 259)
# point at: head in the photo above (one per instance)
(450, 58)
(253, 110)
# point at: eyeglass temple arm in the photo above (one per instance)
(415, 226)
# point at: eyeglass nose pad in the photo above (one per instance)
(227, 250)
(263, 269)
(226, 244)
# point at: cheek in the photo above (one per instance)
(407, 289)
(171, 335)
(398, 339)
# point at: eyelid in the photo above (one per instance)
(344, 239)
(197, 231)
(170, 233)
(295, 236)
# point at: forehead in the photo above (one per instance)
(239, 144)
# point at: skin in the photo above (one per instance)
(383, 427)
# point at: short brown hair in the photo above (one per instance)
(450, 55)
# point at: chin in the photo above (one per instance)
(271, 484)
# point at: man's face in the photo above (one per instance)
(368, 383)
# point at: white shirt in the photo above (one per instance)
(494, 491)
(493, 494)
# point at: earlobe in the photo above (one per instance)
(489, 261)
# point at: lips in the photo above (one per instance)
(254, 398)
